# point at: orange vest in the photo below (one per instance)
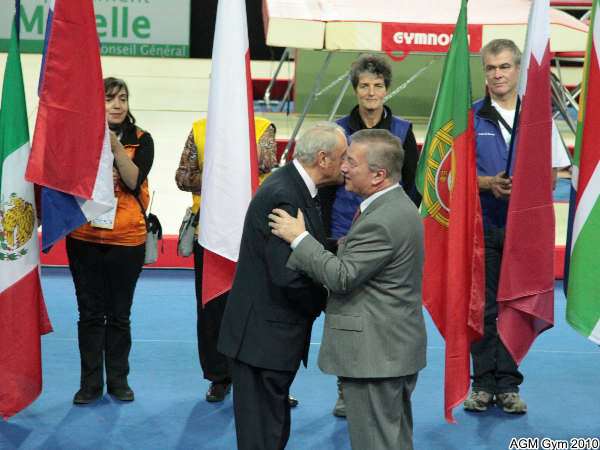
(130, 226)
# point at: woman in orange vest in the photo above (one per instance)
(106, 257)
(188, 177)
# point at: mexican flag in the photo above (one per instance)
(23, 316)
(583, 291)
(453, 279)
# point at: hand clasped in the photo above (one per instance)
(285, 226)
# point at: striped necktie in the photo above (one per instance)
(356, 215)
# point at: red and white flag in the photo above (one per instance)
(526, 286)
(230, 172)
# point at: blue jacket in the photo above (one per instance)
(492, 154)
(346, 203)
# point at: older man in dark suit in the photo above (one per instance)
(271, 308)
(374, 337)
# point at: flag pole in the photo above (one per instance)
(511, 145)
(18, 19)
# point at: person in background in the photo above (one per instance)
(371, 77)
(106, 257)
(496, 377)
(215, 366)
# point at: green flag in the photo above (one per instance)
(583, 292)
(23, 314)
(453, 278)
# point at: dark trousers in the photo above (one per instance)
(215, 366)
(494, 369)
(261, 406)
(105, 277)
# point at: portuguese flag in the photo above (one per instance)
(453, 279)
(583, 292)
(23, 316)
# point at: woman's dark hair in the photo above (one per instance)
(372, 64)
(112, 86)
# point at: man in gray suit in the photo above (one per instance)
(374, 336)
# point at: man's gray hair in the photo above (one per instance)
(384, 151)
(497, 46)
(322, 136)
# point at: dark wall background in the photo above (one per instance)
(202, 30)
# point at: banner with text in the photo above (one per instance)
(125, 27)
(405, 38)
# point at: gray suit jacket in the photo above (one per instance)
(374, 325)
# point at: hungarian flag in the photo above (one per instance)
(454, 277)
(583, 289)
(230, 173)
(70, 154)
(23, 316)
(526, 285)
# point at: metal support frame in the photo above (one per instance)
(340, 97)
(412, 78)
(562, 99)
(286, 96)
(314, 93)
(267, 96)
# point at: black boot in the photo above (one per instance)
(86, 395)
(123, 393)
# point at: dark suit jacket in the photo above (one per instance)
(270, 309)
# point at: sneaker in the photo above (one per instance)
(511, 402)
(217, 392)
(339, 410)
(478, 401)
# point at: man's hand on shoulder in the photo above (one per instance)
(500, 185)
(285, 226)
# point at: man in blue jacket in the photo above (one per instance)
(496, 377)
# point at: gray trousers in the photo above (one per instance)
(379, 412)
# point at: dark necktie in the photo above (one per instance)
(356, 215)
(317, 202)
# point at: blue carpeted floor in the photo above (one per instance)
(561, 387)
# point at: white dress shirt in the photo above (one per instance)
(312, 188)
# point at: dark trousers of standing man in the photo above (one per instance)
(494, 369)
(215, 366)
(105, 277)
(261, 406)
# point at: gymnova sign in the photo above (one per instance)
(422, 37)
(158, 28)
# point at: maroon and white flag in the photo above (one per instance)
(526, 286)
